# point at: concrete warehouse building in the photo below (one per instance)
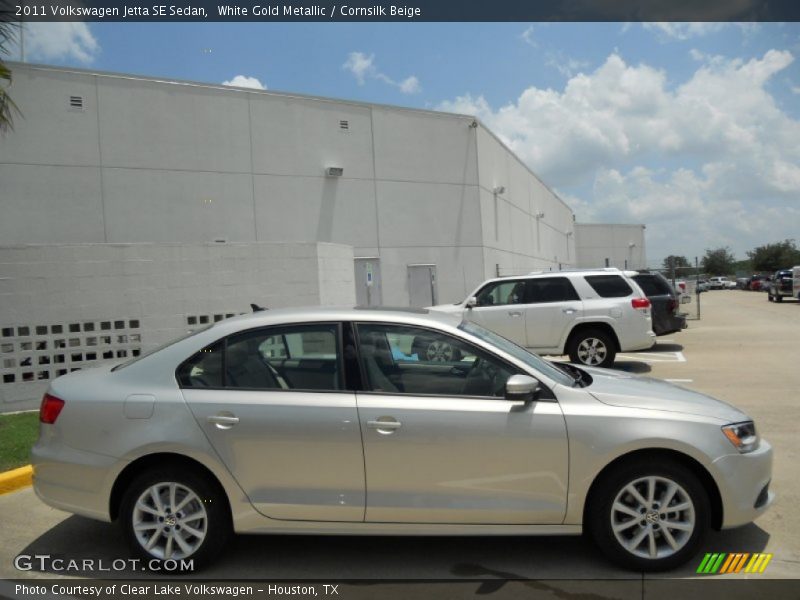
(134, 208)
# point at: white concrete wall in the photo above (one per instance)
(623, 245)
(514, 238)
(158, 161)
(157, 287)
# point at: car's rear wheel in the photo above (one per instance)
(778, 298)
(649, 517)
(173, 515)
(592, 347)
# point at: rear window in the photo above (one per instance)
(652, 285)
(609, 286)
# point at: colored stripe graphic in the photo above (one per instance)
(726, 565)
(719, 563)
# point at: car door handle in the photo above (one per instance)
(514, 313)
(223, 421)
(568, 311)
(384, 427)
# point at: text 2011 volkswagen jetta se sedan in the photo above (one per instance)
(327, 421)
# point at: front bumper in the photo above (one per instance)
(743, 481)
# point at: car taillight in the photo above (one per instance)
(672, 305)
(50, 409)
(640, 303)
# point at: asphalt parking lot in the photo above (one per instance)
(744, 350)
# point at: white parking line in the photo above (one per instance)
(680, 380)
(654, 357)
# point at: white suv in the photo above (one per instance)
(589, 314)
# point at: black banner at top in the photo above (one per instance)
(400, 10)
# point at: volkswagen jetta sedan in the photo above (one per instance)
(326, 421)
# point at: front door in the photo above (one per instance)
(500, 309)
(279, 418)
(443, 445)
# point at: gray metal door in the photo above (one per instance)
(368, 282)
(422, 285)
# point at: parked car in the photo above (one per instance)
(721, 283)
(702, 285)
(742, 283)
(758, 283)
(588, 314)
(781, 286)
(302, 421)
(666, 316)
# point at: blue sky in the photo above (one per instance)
(692, 129)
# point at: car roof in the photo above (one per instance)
(310, 314)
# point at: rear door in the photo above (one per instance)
(279, 418)
(551, 307)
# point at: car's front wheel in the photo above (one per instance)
(175, 514)
(592, 347)
(649, 518)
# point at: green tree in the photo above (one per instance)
(7, 35)
(719, 261)
(678, 262)
(772, 257)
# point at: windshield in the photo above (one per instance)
(518, 352)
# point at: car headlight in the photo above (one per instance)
(742, 435)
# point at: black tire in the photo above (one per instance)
(601, 515)
(778, 298)
(433, 350)
(769, 297)
(210, 498)
(592, 347)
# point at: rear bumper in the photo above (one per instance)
(640, 343)
(743, 480)
(73, 480)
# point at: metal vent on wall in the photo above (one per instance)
(76, 102)
(344, 125)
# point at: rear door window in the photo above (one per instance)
(652, 286)
(551, 289)
(609, 286)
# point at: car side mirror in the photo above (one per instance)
(471, 302)
(522, 388)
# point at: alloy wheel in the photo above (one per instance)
(592, 351)
(169, 520)
(653, 517)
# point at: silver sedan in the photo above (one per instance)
(332, 421)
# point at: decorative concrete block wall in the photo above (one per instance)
(68, 307)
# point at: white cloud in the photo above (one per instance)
(245, 82)
(60, 42)
(796, 89)
(684, 31)
(565, 65)
(362, 67)
(731, 162)
(410, 85)
(527, 37)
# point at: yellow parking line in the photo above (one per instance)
(15, 479)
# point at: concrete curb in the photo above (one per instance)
(11, 481)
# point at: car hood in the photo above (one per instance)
(448, 308)
(618, 388)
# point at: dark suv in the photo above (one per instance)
(666, 318)
(780, 286)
